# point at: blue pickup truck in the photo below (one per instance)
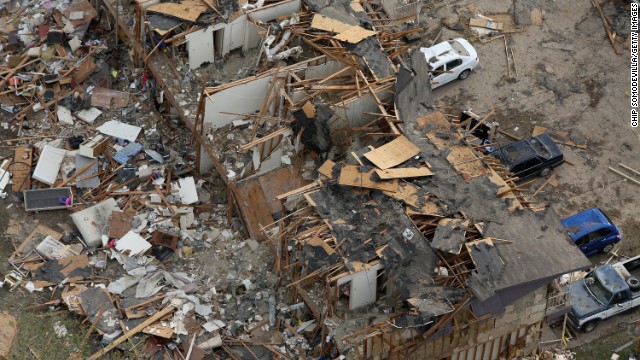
(592, 231)
(604, 292)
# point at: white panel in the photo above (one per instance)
(363, 286)
(200, 47)
(237, 29)
(272, 12)
(497, 344)
(324, 70)
(479, 351)
(243, 99)
(49, 164)
(487, 350)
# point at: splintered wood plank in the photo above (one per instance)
(181, 11)
(21, 169)
(560, 137)
(325, 23)
(327, 169)
(354, 34)
(402, 173)
(393, 153)
(350, 175)
(502, 189)
(488, 24)
(317, 242)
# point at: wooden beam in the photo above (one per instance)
(605, 23)
(78, 172)
(542, 186)
(157, 316)
(625, 176)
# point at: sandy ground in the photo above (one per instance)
(581, 91)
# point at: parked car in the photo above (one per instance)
(450, 60)
(604, 292)
(530, 156)
(592, 231)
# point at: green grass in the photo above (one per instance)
(36, 333)
(602, 348)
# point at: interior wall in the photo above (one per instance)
(274, 11)
(353, 110)
(363, 286)
(244, 98)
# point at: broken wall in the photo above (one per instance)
(363, 286)
(515, 331)
(245, 98)
(354, 111)
(200, 46)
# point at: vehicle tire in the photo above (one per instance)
(634, 283)
(465, 74)
(607, 248)
(544, 172)
(589, 326)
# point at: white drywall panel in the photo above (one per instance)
(363, 286)
(200, 47)
(245, 98)
(324, 70)
(272, 12)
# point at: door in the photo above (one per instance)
(595, 240)
(454, 66)
(620, 303)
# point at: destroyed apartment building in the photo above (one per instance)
(391, 234)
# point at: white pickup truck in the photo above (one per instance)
(606, 291)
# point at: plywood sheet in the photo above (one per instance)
(445, 137)
(466, 163)
(354, 34)
(325, 23)
(316, 241)
(393, 153)
(187, 12)
(326, 169)
(350, 175)
(403, 173)
(486, 24)
(416, 197)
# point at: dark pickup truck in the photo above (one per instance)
(604, 292)
(530, 156)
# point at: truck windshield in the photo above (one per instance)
(595, 287)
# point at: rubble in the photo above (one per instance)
(309, 207)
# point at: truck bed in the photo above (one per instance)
(629, 268)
